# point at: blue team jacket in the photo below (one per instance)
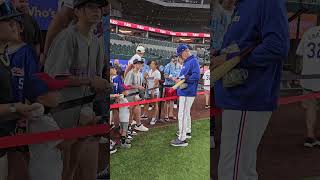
(265, 20)
(190, 70)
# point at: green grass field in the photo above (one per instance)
(153, 158)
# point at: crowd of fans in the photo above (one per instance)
(141, 80)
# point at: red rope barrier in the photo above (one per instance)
(36, 138)
(115, 106)
(73, 133)
(282, 101)
(294, 99)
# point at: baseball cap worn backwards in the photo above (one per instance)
(41, 83)
(138, 61)
(141, 49)
(7, 11)
(181, 48)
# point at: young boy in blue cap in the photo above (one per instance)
(190, 72)
(46, 158)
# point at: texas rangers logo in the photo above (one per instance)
(17, 72)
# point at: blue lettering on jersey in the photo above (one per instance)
(314, 50)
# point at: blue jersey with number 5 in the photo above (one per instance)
(23, 63)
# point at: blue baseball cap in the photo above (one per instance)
(41, 83)
(181, 48)
(7, 11)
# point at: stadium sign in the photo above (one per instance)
(157, 30)
(43, 11)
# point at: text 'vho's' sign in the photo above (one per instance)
(43, 11)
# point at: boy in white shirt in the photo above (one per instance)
(45, 158)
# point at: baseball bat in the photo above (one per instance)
(220, 71)
(176, 86)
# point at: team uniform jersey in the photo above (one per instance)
(191, 71)
(206, 78)
(133, 79)
(71, 54)
(117, 85)
(23, 62)
(309, 48)
(152, 77)
(264, 64)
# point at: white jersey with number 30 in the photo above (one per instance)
(309, 48)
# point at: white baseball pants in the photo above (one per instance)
(240, 137)
(184, 117)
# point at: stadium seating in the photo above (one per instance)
(115, 36)
(140, 40)
(123, 47)
(121, 51)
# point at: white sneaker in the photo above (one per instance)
(133, 123)
(129, 137)
(175, 106)
(113, 149)
(141, 128)
(112, 143)
(153, 121)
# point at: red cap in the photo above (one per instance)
(53, 84)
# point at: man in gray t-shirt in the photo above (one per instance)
(77, 54)
(134, 80)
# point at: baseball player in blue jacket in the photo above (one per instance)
(248, 106)
(190, 72)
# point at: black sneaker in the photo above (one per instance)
(311, 142)
(179, 143)
(188, 135)
(104, 175)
